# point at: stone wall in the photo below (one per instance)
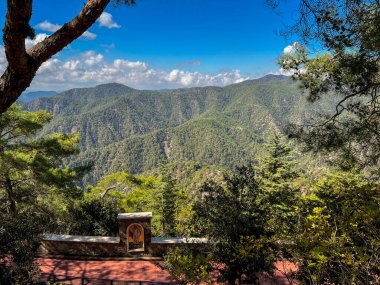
(71, 245)
(67, 248)
(103, 249)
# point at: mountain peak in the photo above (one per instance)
(271, 76)
(113, 85)
(266, 78)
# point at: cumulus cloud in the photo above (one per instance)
(105, 20)
(47, 26)
(38, 38)
(88, 35)
(91, 68)
(291, 48)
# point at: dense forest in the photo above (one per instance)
(137, 130)
(208, 162)
(254, 167)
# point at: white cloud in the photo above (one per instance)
(291, 48)
(91, 68)
(105, 20)
(38, 38)
(88, 35)
(46, 26)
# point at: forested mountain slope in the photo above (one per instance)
(137, 129)
(30, 96)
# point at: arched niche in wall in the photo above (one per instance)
(135, 238)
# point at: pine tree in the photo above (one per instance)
(30, 171)
(169, 197)
(278, 166)
(276, 174)
(32, 167)
(234, 219)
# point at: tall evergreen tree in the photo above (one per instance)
(234, 219)
(169, 197)
(276, 174)
(247, 217)
(30, 170)
(277, 166)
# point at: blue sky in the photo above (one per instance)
(162, 43)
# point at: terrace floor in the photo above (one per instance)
(131, 270)
(149, 270)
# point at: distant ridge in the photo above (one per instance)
(125, 128)
(266, 78)
(30, 96)
(270, 77)
(118, 89)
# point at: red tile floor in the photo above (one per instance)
(105, 269)
(132, 270)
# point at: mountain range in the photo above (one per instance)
(30, 96)
(125, 128)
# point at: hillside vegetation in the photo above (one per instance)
(124, 128)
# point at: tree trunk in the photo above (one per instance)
(12, 84)
(11, 199)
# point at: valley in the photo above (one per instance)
(125, 128)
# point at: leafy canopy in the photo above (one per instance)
(347, 67)
(337, 241)
(31, 172)
(246, 217)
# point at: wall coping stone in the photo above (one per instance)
(88, 239)
(130, 216)
(164, 240)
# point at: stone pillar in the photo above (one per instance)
(143, 219)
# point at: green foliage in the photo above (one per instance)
(123, 128)
(232, 217)
(119, 184)
(30, 167)
(277, 167)
(30, 172)
(347, 69)
(164, 203)
(338, 239)
(94, 217)
(247, 216)
(277, 174)
(188, 265)
(186, 178)
(20, 237)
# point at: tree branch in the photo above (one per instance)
(23, 65)
(69, 31)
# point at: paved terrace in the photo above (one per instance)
(131, 270)
(150, 270)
